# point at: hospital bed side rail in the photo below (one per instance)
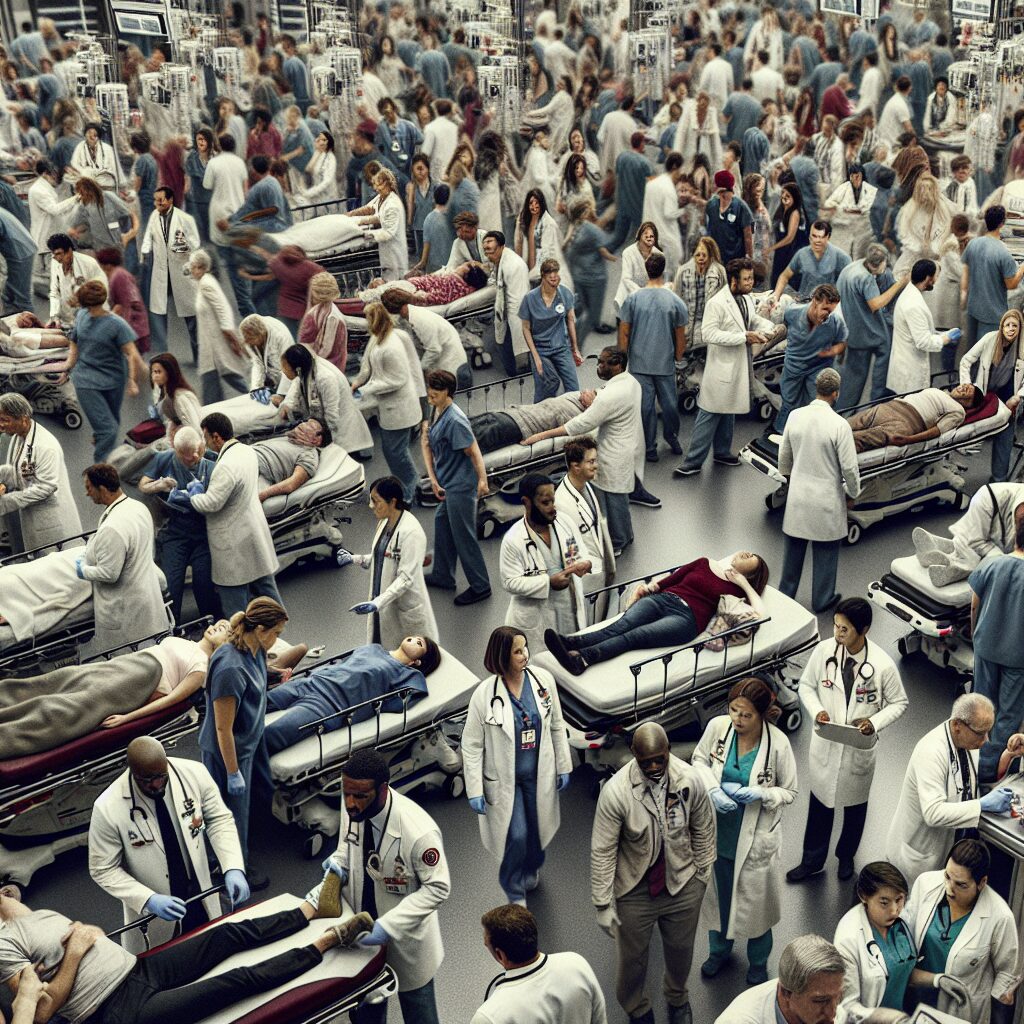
(143, 922)
(517, 382)
(44, 549)
(310, 211)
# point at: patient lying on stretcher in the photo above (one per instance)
(24, 333)
(437, 289)
(494, 430)
(914, 418)
(286, 463)
(369, 672)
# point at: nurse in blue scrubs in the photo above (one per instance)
(231, 738)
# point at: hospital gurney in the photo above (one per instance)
(765, 399)
(895, 480)
(329, 237)
(35, 377)
(678, 686)
(46, 799)
(420, 743)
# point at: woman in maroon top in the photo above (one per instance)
(264, 138)
(293, 271)
(124, 297)
(666, 613)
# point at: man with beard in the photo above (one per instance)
(542, 565)
(659, 877)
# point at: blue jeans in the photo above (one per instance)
(18, 290)
(976, 329)
(212, 385)
(825, 555)
(590, 292)
(158, 330)
(395, 445)
(102, 408)
(797, 390)
(1002, 450)
(710, 430)
(615, 507)
(236, 598)
(418, 1007)
(178, 551)
(239, 285)
(455, 538)
(662, 385)
(559, 370)
(658, 620)
(1004, 686)
(286, 730)
(855, 375)
(523, 854)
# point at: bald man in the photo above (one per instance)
(147, 848)
(652, 850)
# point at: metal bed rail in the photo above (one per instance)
(44, 549)
(143, 922)
(617, 589)
(310, 211)
(514, 385)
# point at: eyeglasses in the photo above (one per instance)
(977, 732)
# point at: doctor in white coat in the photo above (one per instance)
(914, 337)
(940, 791)
(127, 854)
(398, 604)
(749, 770)
(436, 342)
(127, 594)
(515, 759)
(542, 565)
(846, 681)
(512, 282)
(386, 226)
(661, 208)
(391, 864)
(47, 212)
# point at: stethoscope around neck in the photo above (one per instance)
(874, 950)
(496, 698)
(582, 507)
(865, 691)
(533, 552)
(136, 811)
(765, 777)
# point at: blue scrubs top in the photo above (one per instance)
(939, 939)
(527, 732)
(450, 435)
(737, 770)
(238, 674)
(900, 960)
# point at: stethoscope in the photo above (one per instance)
(136, 811)
(393, 548)
(28, 466)
(765, 777)
(110, 508)
(499, 719)
(864, 689)
(899, 927)
(583, 508)
(533, 552)
(965, 786)
(375, 862)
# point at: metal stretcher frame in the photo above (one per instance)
(358, 260)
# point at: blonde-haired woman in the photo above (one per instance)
(231, 738)
(385, 225)
(323, 327)
(997, 361)
(700, 277)
(923, 225)
(698, 132)
(385, 374)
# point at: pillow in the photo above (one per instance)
(732, 611)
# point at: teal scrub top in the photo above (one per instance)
(737, 770)
(900, 955)
(939, 938)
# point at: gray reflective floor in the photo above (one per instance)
(714, 514)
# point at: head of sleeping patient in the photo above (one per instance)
(970, 396)
(215, 635)
(418, 652)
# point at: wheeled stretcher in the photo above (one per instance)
(420, 743)
(896, 479)
(36, 376)
(46, 799)
(329, 237)
(678, 686)
(765, 397)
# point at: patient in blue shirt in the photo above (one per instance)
(367, 674)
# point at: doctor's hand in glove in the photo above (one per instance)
(180, 499)
(79, 562)
(952, 987)
(167, 908)
(261, 395)
(195, 487)
(375, 937)
(237, 886)
(332, 867)
(479, 804)
(723, 804)
(236, 784)
(747, 794)
(563, 782)
(608, 921)
(364, 608)
(998, 800)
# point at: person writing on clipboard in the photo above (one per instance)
(848, 681)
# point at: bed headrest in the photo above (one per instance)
(987, 408)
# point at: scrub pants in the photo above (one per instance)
(711, 430)
(236, 598)
(759, 947)
(212, 385)
(615, 506)
(590, 292)
(395, 446)
(102, 408)
(662, 386)
(158, 330)
(523, 854)
(855, 375)
(418, 1007)
(506, 355)
(164, 988)
(657, 620)
(818, 833)
(254, 764)
(976, 329)
(1004, 686)
(18, 290)
(559, 371)
(455, 538)
(825, 554)
(796, 390)
(178, 551)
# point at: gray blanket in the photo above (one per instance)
(44, 712)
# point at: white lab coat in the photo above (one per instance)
(725, 386)
(328, 394)
(213, 317)
(914, 338)
(43, 501)
(981, 353)
(323, 170)
(403, 603)
(539, 173)
(559, 988)
(241, 547)
(390, 237)
(841, 775)
(104, 168)
(385, 373)
(755, 1006)
(414, 884)
(550, 247)
(169, 265)
(265, 362)
(127, 858)
(47, 212)
(662, 209)
(489, 757)
(127, 596)
(818, 454)
(512, 281)
(756, 900)
(63, 286)
(632, 272)
(851, 230)
(596, 543)
(524, 575)
(984, 956)
(930, 808)
(460, 254)
(442, 346)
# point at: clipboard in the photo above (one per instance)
(848, 735)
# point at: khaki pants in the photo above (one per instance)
(676, 918)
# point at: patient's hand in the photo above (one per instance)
(112, 721)
(899, 440)
(80, 938)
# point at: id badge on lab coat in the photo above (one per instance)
(528, 739)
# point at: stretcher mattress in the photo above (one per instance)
(341, 973)
(51, 360)
(478, 302)
(448, 691)
(338, 476)
(910, 571)
(516, 454)
(607, 689)
(327, 237)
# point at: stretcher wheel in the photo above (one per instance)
(962, 501)
(487, 526)
(853, 532)
(72, 419)
(902, 647)
(765, 410)
(688, 401)
(791, 720)
(480, 360)
(314, 845)
(453, 787)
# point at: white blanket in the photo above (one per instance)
(247, 415)
(35, 596)
(333, 233)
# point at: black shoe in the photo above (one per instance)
(829, 604)
(757, 974)
(712, 967)
(604, 329)
(802, 871)
(680, 1014)
(257, 881)
(685, 470)
(644, 497)
(675, 447)
(437, 583)
(471, 596)
(727, 460)
(652, 455)
(556, 645)
(845, 869)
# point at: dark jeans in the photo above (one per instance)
(855, 370)
(165, 989)
(825, 555)
(455, 538)
(658, 620)
(506, 354)
(235, 599)
(818, 833)
(418, 1007)
(286, 730)
(591, 292)
(239, 285)
(178, 551)
(494, 430)
(615, 507)
(797, 390)
(395, 447)
(18, 290)
(102, 408)
(158, 331)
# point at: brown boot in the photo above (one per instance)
(329, 904)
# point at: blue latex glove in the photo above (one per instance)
(195, 487)
(237, 885)
(180, 499)
(236, 784)
(167, 908)
(78, 568)
(333, 867)
(746, 795)
(729, 788)
(563, 781)
(479, 804)
(955, 335)
(261, 395)
(365, 608)
(376, 937)
(722, 803)
(152, 412)
(997, 800)
(344, 558)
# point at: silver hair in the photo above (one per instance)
(255, 325)
(828, 382)
(803, 958)
(201, 258)
(187, 439)
(968, 706)
(876, 256)
(16, 406)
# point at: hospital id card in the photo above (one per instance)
(528, 739)
(848, 735)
